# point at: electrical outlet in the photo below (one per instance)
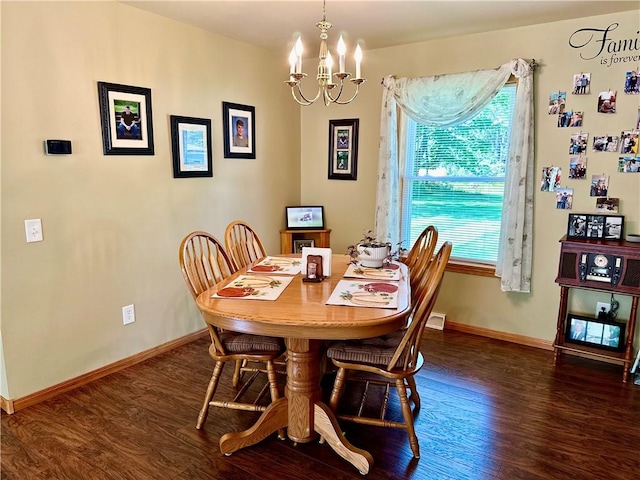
(602, 307)
(33, 229)
(128, 314)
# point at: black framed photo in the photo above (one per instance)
(599, 227)
(343, 149)
(239, 125)
(577, 227)
(127, 124)
(191, 147)
(298, 245)
(595, 332)
(613, 225)
(305, 217)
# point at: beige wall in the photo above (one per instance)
(467, 299)
(112, 224)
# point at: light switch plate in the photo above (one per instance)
(33, 230)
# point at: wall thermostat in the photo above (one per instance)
(57, 147)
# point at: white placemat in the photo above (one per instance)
(254, 287)
(356, 293)
(278, 265)
(388, 272)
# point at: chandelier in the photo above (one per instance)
(326, 85)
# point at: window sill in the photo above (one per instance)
(479, 269)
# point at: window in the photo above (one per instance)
(454, 180)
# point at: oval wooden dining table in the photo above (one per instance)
(301, 316)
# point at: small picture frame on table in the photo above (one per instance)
(343, 149)
(191, 147)
(298, 245)
(313, 271)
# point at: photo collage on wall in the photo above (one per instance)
(626, 145)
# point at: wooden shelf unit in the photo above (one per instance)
(571, 274)
(321, 238)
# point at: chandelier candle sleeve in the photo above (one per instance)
(358, 56)
(293, 58)
(342, 49)
(298, 51)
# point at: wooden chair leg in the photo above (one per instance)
(273, 389)
(211, 389)
(236, 373)
(338, 388)
(415, 397)
(408, 417)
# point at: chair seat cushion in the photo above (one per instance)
(235, 342)
(373, 351)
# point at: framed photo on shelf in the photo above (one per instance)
(343, 149)
(600, 227)
(298, 245)
(125, 116)
(239, 126)
(577, 227)
(595, 332)
(305, 217)
(191, 147)
(613, 225)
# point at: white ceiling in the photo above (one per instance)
(375, 23)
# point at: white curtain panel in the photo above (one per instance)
(446, 100)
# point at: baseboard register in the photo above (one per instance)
(436, 321)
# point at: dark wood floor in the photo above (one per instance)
(490, 410)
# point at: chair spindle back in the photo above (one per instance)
(243, 244)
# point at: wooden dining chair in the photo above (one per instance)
(243, 244)
(420, 254)
(390, 359)
(204, 263)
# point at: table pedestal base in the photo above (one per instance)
(275, 417)
(300, 411)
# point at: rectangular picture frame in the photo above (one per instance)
(343, 149)
(595, 226)
(298, 245)
(613, 227)
(126, 119)
(191, 147)
(237, 117)
(577, 226)
(304, 217)
(595, 332)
